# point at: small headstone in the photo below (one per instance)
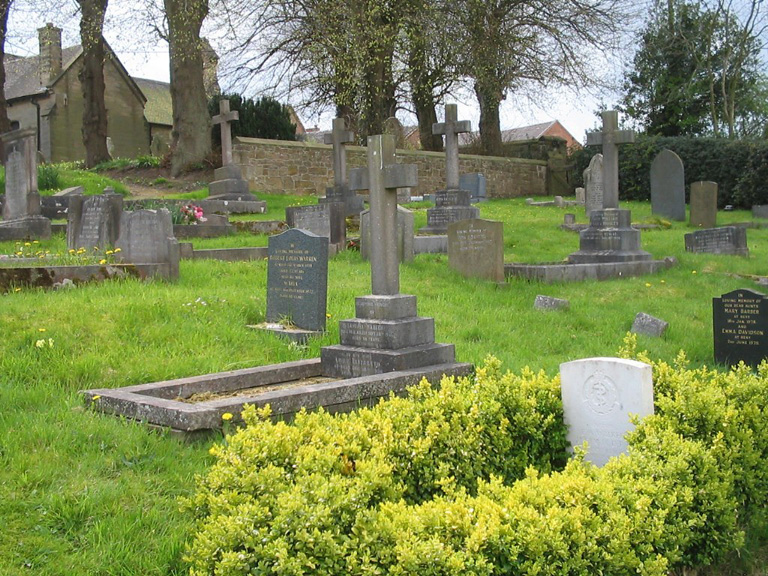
(569, 219)
(476, 249)
(725, 240)
(550, 303)
(146, 237)
(476, 184)
(649, 325)
(297, 279)
(599, 394)
(760, 211)
(93, 221)
(668, 186)
(327, 220)
(581, 195)
(704, 204)
(594, 185)
(405, 242)
(559, 201)
(740, 327)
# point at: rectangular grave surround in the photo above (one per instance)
(163, 403)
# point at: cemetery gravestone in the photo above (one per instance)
(599, 394)
(93, 221)
(405, 242)
(609, 138)
(760, 211)
(581, 195)
(327, 220)
(475, 183)
(550, 303)
(386, 335)
(21, 209)
(146, 237)
(476, 249)
(726, 240)
(704, 204)
(340, 191)
(593, 181)
(740, 327)
(297, 279)
(649, 325)
(668, 186)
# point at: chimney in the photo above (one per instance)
(50, 53)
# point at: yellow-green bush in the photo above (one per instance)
(471, 479)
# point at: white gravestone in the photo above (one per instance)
(599, 394)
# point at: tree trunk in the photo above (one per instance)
(91, 78)
(423, 95)
(191, 136)
(489, 99)
(5, 124)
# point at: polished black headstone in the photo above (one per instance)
(740, 327)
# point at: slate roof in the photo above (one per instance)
(532, 132)
(159, 108)
(21, 73)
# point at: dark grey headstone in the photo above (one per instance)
(476, 249)
(704, 204)
(93, 221)
(740, 327)
(146, 236)
(476, 184)
(297, 279)
(405, 242)
(668, 186)
(327, 220)
(649, 325)
(725, 240)
(550, 303)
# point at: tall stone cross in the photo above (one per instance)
(452, 127)
(382, 178)
(609, 138)
(225, 118)
(339, 137)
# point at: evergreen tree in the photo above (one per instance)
(262, 118)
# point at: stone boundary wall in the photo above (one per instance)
(284, 167)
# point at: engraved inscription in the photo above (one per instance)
(742, 321)
(290, 265)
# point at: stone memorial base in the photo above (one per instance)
(29, 228)
(287, 388)
(564, 272)
(450, 206)
(353, 203)
(385, 336)
(297, 335)
(229, 184)
(610, 237)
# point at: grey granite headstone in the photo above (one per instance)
(668, 186)
(599, 395)
(760, 211)
(405, 241)
(93, 221)
(297, 279)
(581, 195)
(649, 325)
(476, 184)
(22, 217)
(146, 236)
(476, 249)
(704, 204)
(726, 240)
(549, 303)
(593, 182)
(327, 219)
(740, 327)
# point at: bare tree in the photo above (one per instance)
(5, 125)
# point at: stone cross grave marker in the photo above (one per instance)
(451, 128)
(598, 395)
(703, 204)
(740, 327)
(339, 137)
(609, 139)
(224, 118)
(668, 186)
(297, 279)
(476, 249)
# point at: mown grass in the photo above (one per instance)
(85, 493)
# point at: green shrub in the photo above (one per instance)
(469, 479)
(48, 177)
(261, 118)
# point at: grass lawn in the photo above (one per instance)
(84, 493)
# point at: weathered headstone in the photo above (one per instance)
(326, 220)
(668, 186)
(740, 327)
(93, 221)
(649, 325)
(146, 237)
(340, 191)
(704, 204)
(386, 335)
(476, 249)
(405, 244)
(593, 182)
(452, 204)
(760, 211)
(726, 240)
(21, 208)
(599, 394)
(609, 138)
(550, 303)
(476, 184)
(297, 279)
(581, 195)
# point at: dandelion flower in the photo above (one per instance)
(102, 261)
(71, 250)
(17, 289)
(27, 244)
(647, 284)
(109, 252)
(118, 250)
(227, 416)
(663, 281)
(42, 329)
(50, 342)
(327, 315)
(96, 397)
(693, 271)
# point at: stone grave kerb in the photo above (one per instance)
(338, 137)
(451, 129)
(609, 138)
(224, 118)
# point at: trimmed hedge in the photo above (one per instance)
(471, 479)
(740, 167)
